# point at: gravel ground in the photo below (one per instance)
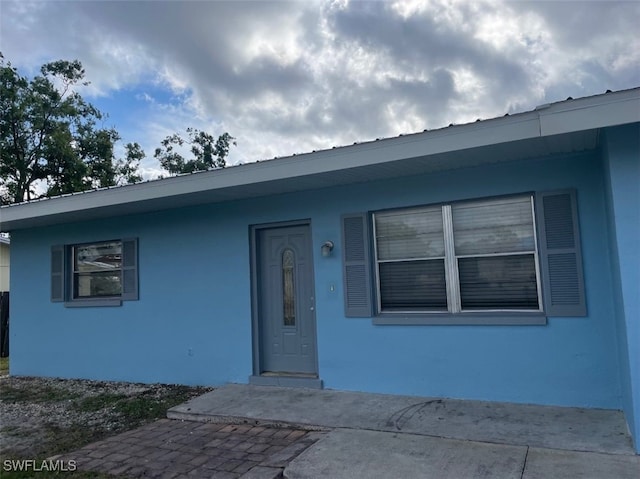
(46, 416)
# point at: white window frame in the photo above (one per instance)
(452, 279)
(63, 273)
(73, 280)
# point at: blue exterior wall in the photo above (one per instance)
(192, 323)
(621, 152)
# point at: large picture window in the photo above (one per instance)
(459, 257)
(512, 260)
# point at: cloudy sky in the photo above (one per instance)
(290, 77)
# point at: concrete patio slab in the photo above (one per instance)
(347, 453)
(576, 429)
(546, 463)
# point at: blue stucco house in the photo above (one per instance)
(497, 260)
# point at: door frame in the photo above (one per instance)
(256, 378)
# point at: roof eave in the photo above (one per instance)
(556, 119)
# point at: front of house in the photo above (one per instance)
(496, 261)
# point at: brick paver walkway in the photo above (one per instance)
(176, 449)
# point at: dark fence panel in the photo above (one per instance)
(4, 324)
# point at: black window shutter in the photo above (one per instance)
(57, 273)
(356, 266)
(560, 255)
(129, 269)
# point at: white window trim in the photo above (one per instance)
(72, 277)
(451, 273)
(455, 314)
(62, 275)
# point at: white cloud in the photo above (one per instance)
(292, 77)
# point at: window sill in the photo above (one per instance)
(462, 319)
(93, 303)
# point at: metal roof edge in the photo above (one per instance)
(567, 116)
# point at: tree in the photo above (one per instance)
(208, 152)
(127, 168)
(50, 143)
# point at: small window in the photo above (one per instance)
(468, 256)
(97, 270)
(95, 274)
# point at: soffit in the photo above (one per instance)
(467, 158)
(563, 127)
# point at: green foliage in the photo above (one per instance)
(127, 167)
(51, 142)
(208, 152)
(50, 138)
(113, 412)
(37, 394)
(95, 403)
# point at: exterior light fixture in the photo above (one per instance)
(326, 248)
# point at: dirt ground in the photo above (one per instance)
(40, 417)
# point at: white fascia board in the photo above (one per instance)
(617, 111)
(557, 118)
(326, 161)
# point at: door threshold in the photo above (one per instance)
(288, 380)
(286, 374)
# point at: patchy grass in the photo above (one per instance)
(4, 366)
(95, 403)
(139, 409)
(43, 417)
(37, 394)
(147, 407)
